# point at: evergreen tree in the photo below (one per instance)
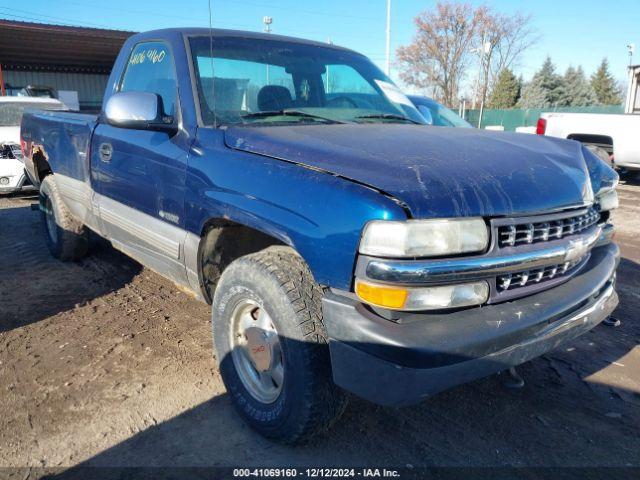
(520, 87)
(576, 90)
(604, 86)
(544, 89)
(506, 90)
(533, 96)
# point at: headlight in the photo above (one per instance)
(424, 238)
(422, 298)
(608, 200)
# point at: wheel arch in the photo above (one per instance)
(41, 166)
(221, 241)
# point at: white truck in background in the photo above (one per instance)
(615, 137)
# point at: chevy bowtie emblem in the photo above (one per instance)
(579, 248)
(576, 250)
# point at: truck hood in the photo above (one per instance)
(435, 171)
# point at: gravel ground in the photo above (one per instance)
(105, 363)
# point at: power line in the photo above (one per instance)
(23, 18)
(67, 21)
(39, 17)
(136, 12)
(238, 2)
(309, 12)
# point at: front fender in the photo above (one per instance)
(602, 175)
(318, 214)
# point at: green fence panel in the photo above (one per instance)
(510, 119)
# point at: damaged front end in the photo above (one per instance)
(547, 279)
(458, 304)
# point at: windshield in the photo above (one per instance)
(275, 81)
(11, 112)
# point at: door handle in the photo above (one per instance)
(106, 151)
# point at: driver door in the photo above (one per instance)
(139, 175)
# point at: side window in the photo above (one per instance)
(344, 79)
(150, 69)
(243, 86)
(344, 87)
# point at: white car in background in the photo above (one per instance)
(436, 114)
(12, 175)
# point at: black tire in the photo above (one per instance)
(66, 237)
(280, 282)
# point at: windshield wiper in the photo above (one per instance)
(289, 113)
(389, 116)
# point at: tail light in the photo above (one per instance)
(23, 147)
(541, 127)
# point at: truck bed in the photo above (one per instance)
(62, 139)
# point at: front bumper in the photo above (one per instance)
(403, 362)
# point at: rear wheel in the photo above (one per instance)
(272, 346)
(66, 238)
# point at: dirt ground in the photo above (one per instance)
(105, 363)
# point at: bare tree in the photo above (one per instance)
(446, 38)
(501, 39)
(439, 53)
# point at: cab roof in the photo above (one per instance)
(222, 32)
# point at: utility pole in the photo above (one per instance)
(476, 93)
(267, 29)
(388, 69)
(485, 59)
(267, 24)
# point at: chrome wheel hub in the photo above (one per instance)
(256, 351)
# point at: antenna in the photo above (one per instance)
(213, 77)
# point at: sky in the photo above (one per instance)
(572, 32)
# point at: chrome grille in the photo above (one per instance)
(529, 233)
(525, 278)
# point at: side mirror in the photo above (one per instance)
(138, 111)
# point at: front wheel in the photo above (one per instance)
(272, 347)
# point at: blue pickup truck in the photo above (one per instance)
(344, 245)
